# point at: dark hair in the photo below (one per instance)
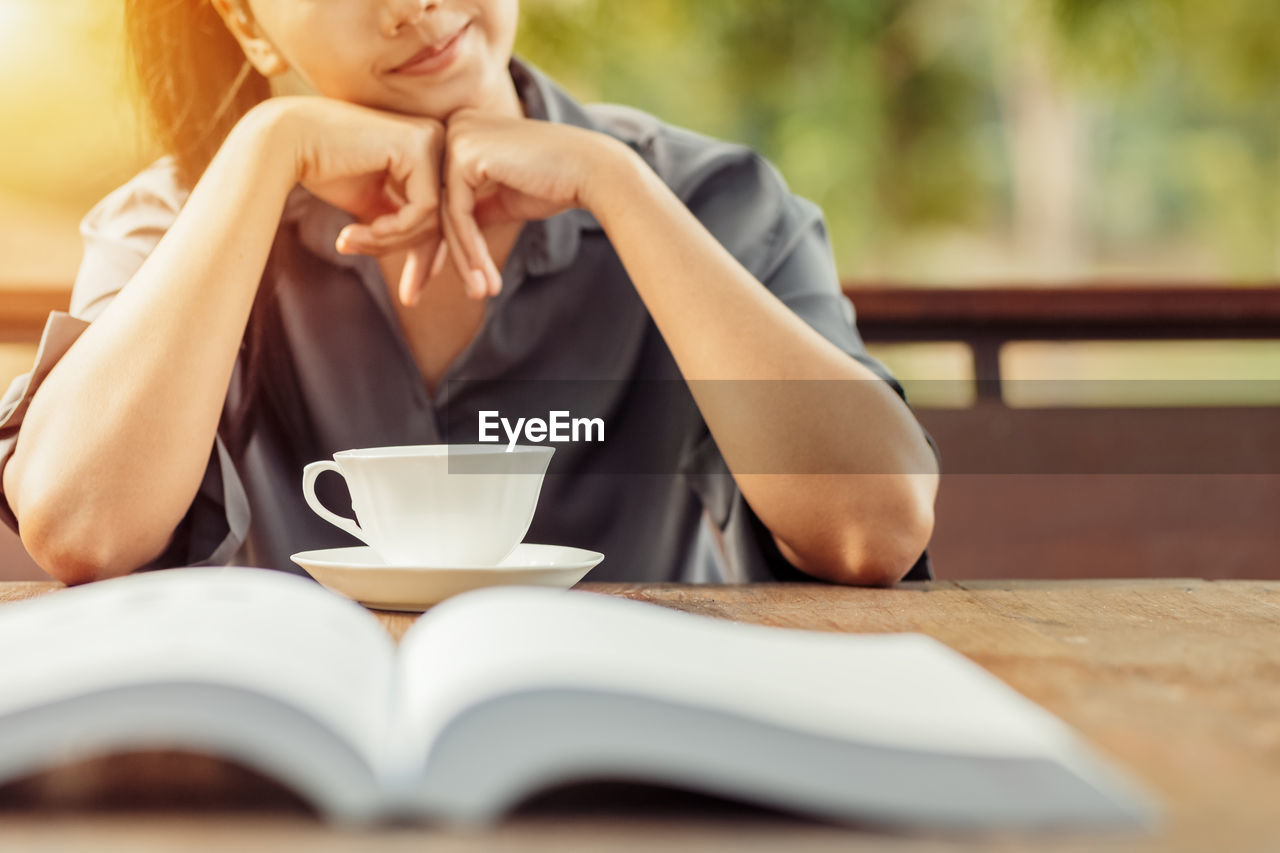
(195, 83)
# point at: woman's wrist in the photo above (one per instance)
(265, 136)
(616, 172)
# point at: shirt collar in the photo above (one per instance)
(546, 246)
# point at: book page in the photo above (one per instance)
(267, 632)
(894, 690)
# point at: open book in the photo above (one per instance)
(501, 693)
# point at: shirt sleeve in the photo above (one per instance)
(118, 234)
(782, 239)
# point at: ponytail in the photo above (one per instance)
(192, 78)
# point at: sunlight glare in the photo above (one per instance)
(19, 20)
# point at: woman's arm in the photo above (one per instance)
(116, 440)
(866, 523)
(722, 324)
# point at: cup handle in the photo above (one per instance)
(309, 476)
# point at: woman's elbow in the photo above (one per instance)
(883, 557)
(69, 565)
(905, 537)
(879, 551)
(76, 550)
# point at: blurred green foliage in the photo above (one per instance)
(895, 115)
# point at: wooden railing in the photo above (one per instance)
(23, 311)
(985, 318)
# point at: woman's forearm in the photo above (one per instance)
(116, 441)
(845, 481)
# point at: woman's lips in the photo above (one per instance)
(430, 60)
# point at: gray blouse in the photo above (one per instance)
(568, 332)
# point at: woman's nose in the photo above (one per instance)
(398, 14)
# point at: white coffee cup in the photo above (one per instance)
(446, 505)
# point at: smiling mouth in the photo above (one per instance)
(430, 52)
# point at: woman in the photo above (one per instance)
(439, 231)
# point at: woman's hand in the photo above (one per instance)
(381, 167)
(416, 184)
(498, 169)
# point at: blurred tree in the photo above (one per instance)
(1192, 124)
(1068, 137)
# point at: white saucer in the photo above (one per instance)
(358, 573)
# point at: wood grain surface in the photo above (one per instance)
(1176, 681)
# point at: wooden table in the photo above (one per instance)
(1178, 681)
